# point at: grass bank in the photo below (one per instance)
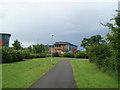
(88, 76)
(23, 74)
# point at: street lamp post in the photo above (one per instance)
(52, 49)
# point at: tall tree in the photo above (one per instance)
(39, 48)
(17, 45)
(30, 49)
(114, 38)
(97, 39)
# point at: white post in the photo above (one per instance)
(52, 49)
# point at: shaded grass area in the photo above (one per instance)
(25, 73)
(88, 76)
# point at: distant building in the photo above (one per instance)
(62, 47)
(4, 39)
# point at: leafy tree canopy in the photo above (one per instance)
(39, 48)
(114, 36)
(17, 45)
(96, 39)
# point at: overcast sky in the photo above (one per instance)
(34, 21)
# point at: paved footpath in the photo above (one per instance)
(61, 76)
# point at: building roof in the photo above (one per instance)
(64, 43)
(5, 34)
(49, 45)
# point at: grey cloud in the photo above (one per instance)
(67, 21)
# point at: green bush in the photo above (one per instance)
(55, 54)
(26, 54)
(32, 55)
(38, 55)
(69, 54)
(111, 64)
(48, 55)
(11, 55)
(19, 55)
(81, 54)
(6, 56)
(100, 55)
(42, 55)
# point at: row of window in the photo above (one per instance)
(57, 49)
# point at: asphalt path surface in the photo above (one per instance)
(61, 76)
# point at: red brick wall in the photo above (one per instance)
(1, 42)
(58, 49)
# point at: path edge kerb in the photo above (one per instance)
(73, 74)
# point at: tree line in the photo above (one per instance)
(105, 52)
(18, 53)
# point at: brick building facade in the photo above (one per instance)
(62, 47)
(4, 39)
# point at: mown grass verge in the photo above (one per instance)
(25, 73)
(88, 76)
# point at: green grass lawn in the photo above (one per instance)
(88, 76)
(24, 73)
(0, 76)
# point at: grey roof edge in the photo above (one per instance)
(5, 34)
(65, 43)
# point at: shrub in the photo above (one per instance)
(38, 55)
(55, 54)
(69, 54)
(11, 55)
(26, 54)
(6, 56)
(81, 55)
(19, 55)
(33, 55)
(99, 54)
(42, 55)
(48, 55)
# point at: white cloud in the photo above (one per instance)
(23, 43)
(26, 44)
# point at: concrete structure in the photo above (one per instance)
(62, 47)
(4, 39)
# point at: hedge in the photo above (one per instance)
(13, 55)
(55, 54)
(69, 54)
(81, 55)
(48, 55)
(102, 56)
